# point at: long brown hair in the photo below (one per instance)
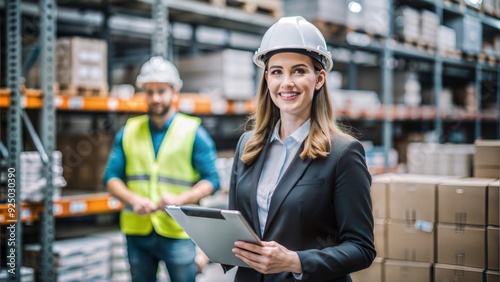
(323, 124)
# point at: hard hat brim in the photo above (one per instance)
(260, 57)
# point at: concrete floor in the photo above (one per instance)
(213, 273)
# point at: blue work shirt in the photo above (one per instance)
(203, 158)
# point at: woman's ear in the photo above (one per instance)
(320, 80)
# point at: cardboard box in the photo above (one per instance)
(379, 190)
(84, 159)
(493, 201)
(373, 274)
(413, 197)
(380, 237)
(407, 271)
(487, 153)
(487, 171)
(492, 247)
(463, 201)
(446, 273)
(407, 243)
(492, 276)
(81, 62)
(461, 245)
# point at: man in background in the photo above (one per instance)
(159, 159)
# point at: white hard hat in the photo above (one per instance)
(293, 34)
(157, 69)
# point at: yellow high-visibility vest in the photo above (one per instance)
(170, 173)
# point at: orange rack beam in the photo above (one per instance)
(67, 206)
(188, 103)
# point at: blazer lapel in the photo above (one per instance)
(286, 184)
(257, 170)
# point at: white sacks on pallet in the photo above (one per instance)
(79, 259)
(229, 74)
(370, 16)
(440, 159)
(33, 181)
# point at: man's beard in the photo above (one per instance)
(163, 112)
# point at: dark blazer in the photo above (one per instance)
(321, 209)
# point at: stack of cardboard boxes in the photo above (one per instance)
(487, 158)
(436, 228)
(81, 63)
(84, 159)
(461, 230)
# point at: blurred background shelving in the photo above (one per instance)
(404, 71)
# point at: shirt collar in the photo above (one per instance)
(299, 135)
(165, 126)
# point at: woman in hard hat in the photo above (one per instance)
(162, 158)
(298, 179)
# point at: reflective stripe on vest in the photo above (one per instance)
(170, 173)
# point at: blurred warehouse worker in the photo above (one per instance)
(163, 158)
(298, 179)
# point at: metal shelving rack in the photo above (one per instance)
(47, 121)
(388, 49)
(14, 118)
(48, 131)
(49, 14)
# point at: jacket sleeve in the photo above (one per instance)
(352, 204)
(232, 182)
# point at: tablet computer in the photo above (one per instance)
(214, 231)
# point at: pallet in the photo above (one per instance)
(30, 92)
(461, 4)
(4, 92)
(338, 32)
(86, 91)
(373, 36)
(492, 61)
(267, 7)
(329, 30)
(481, 58)
(490, 11)
(452, 54)
(420, 45)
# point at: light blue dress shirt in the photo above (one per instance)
(279, 157)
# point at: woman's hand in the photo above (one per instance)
(269, 258)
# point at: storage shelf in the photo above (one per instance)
(464, 10)
(406, 113)
(189, 103)
(67, 206)
(206, 105)
(401, 49)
